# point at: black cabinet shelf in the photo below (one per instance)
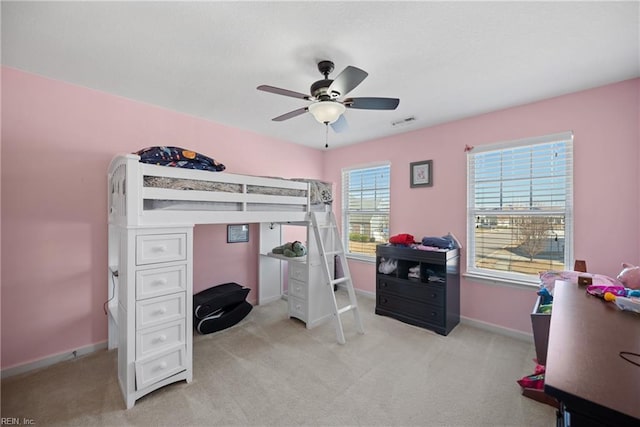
(423, 290)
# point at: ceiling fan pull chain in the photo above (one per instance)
(326, 134)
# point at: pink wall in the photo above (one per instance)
(57, 142)
(606, 146)
(638, 130)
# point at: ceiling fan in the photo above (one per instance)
(326, 94)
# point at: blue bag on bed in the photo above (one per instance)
(178, 157)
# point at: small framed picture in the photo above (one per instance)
(237, 233)
(421, 173)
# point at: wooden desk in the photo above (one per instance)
(584, 369)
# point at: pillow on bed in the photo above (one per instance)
(178, 157)
(320, 191)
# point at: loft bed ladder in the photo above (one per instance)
(329, 245)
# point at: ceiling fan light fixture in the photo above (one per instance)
(326, 111)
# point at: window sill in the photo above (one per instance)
(361, 258)
(502, 281)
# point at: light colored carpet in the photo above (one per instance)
(270, 370)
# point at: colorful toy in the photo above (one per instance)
(547, 298)
(532, 381)
(619, 291)
(535, 380)
(624, 303)
(601, 290)
(291, 249)
(545, 308)
(630, 276)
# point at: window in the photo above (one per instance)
(520, 208)
(365, 209)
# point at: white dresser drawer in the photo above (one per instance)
(154, 311)
(151, 340)
(297, 289)
(297, 308)
(156, 368)
(298, 271)
(161, 281)
(153, 248)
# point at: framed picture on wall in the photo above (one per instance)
(237, 233)
(421, 174)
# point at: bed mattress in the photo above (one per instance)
(320, 192)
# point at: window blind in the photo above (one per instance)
(520, 206)
(365, 208)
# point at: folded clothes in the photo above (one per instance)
(402, 239)
(445, 242)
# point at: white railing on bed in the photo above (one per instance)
(133, 204)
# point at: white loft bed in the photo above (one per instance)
(135, 202)
(150, 258)
(132, 202)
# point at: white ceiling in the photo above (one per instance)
(444, 60)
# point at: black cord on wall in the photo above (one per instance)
(113, 287)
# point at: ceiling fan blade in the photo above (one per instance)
(347, 80)
(285, 92)
(372, 103)
(291, 114)
(340, 125)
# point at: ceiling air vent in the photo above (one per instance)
(403, 122)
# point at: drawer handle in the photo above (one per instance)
(159, 248)
(384, 300)
(161, 311)
(159, 282)
(161, 338)
(433, 295)
(161, 366)
(433, 314)
(384, 284)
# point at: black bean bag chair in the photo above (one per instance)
(223, 318)
(220, 307)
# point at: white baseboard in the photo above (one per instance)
(513, 333)
(366, 294)
(360, 292)
(52, 360)
(69, 355)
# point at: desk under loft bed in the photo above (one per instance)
(152, 211)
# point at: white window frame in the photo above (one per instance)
(473, 212)
(346, 212)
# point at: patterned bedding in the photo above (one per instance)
(320, 191)
(188, 159)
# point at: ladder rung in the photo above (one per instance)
(326, 226)
(347, 308)
(337, 249)
(338, 281)
(333, 253)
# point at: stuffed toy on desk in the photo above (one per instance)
(291, 249)
(630, 276)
